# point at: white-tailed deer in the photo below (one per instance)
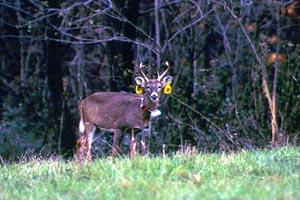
(117, 111)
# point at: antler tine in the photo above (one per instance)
(164, 73)
(145, 77)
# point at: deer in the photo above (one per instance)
(119, 111)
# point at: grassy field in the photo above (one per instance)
(271, 174)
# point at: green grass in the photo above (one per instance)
(266, 174)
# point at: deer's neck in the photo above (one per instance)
(149, 105)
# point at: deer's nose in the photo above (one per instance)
(154, 97)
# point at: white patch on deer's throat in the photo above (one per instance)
(155, 113)
(81, 126)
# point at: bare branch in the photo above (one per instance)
(188, 26)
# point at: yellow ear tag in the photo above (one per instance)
(138, 81)
(138, 89)
(167, 89)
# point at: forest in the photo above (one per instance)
(235, 67)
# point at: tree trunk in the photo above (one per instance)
(127, 55)
(157, 32)
(54, 72)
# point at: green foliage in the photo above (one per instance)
(266, 174)
(289, 92)
(55, 53)
(18, 133)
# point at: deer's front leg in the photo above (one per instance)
(145, 142)
(116, 143)
(133, 144)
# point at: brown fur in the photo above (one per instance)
(114, 111)
(110, 110)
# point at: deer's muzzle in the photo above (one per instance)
(154, 97)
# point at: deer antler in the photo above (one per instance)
(145, 77)
(164, 73)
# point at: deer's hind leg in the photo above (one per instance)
(90, 130)
(84, 143)
(81, 149)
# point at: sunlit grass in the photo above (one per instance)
(266, 174)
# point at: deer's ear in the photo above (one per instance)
(167, 80)
(139, 81)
